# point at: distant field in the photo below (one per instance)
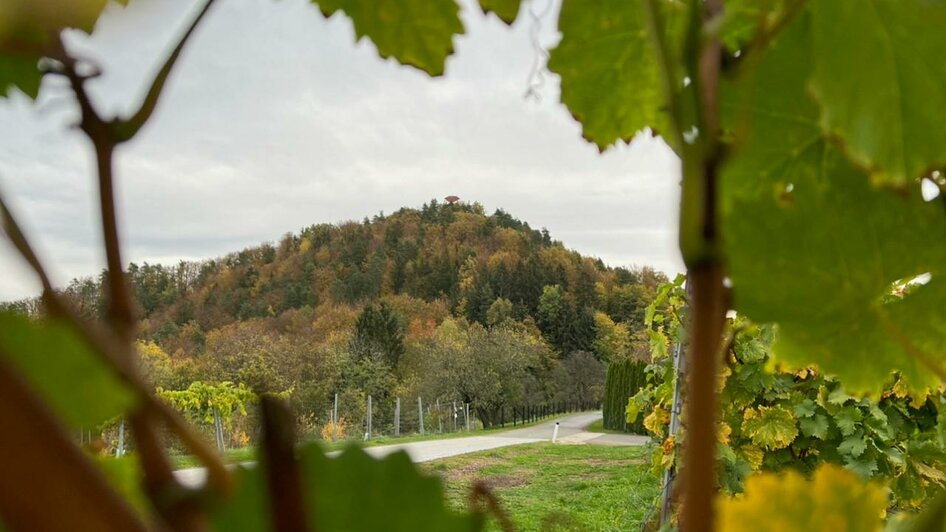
(553, 487)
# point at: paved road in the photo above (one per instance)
(571, 430)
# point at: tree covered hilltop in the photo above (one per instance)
(444, 302)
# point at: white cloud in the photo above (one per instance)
(275, 120)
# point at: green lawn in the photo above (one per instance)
(598, 426)
(554, 487)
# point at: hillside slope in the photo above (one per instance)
(445, 302)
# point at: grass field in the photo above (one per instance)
(549, 487)
(598, 426)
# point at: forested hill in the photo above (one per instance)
(443, 302)
(440, 259)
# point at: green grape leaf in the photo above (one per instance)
(864, 468)
(418, 33)
(19, 71)
(770, 427)
(832, 496)
(361, 493)
(806, 408)
(838, 397)
(63, 370)
(750, 348)
(814, 427)
(610, 79)
(853, 445)
(847, 419)
(814, 247)
(124, 475)
(877, 418)
(870, 88)
(881, 429)
(352, 492)
(634, 406)
(247, 509)
(506, 10)
(28, 32)
(743, 19)
(919, 450)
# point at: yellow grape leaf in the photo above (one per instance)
(753, 455)
(917, 399)
(929, 472)
(834, 500)
(772, 427)
(723, 431)
(721, 378)
(656, 421)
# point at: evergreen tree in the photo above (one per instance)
(378, 334)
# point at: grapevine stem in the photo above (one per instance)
(105, 135)
(700, 244)
(110, 350)
(706, 327)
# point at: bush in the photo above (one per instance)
(623, 381)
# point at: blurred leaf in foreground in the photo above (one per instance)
(64, 370)
(834, 500)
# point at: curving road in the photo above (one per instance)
(571, 430)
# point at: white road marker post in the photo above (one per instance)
(555, 432)
(121, 440)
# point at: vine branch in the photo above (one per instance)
(43, 459)
(126, 129)
(110, 350)
(105, 135)
(700, 244)
(480, 492)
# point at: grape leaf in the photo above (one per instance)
(64, 371)
(610, 79)
(770, 427)
(27, 34)
(352, 492)
(929, 472)
(864, 468)
(897, 57)
(847, 419)
(506, 10)
(398, 494)
(853, 445)
(124, 475)
(633, 409)
(418, 33)
(806, 408)
(834, 499)
(19, 71)
(247, 509)
(814, 247)
(814, 427)
(743, 19)
(753, 455)
(838, 397)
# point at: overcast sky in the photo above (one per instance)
(275, 120)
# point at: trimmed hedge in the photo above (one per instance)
(624, 380)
